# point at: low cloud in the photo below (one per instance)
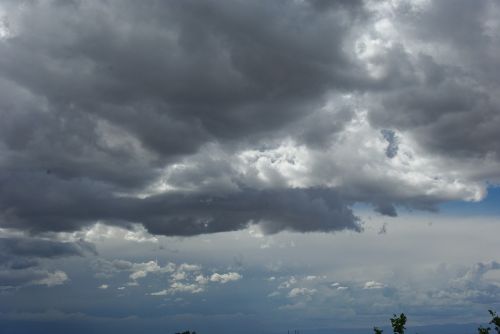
(298, 292)
(30, 276)
(224, 278)
(21, 257)
(373, 285)
(178, 287)
(41, 248)
(193, 118)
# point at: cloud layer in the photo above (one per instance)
(193, 118)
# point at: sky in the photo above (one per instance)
(248, 166)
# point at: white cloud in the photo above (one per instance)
(178, 276)
(338, 286)
(181, 287)
(178, 287)
(224, 278)
(189, 267)
(288, 283)
(141, 270)
(56, 278)
(100, 232)
(103, 286)
(200, 279)
(159, 293)
(297, 292)
(373, 285)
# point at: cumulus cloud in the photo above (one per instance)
(192, 118)
(288, 283)
(128, 124)
(182, 278)
(56, 278)
(196, 284)
(138, 270)
(297, 292)
(373, 285)
(224, 278)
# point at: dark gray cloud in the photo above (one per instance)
(40, 248)
(45, 203)
(111, 112)
(164, 71)
(275, 210)
(386, 209)
(21, 260)
(29, 276)
(116, 91)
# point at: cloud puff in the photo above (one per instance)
(137, 270)
(224, 278)
(297, 292)
(141, 270)
(198, 285)
(373, 285)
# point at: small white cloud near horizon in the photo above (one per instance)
(374, 285)
(224, 278)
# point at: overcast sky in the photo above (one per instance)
(250, 166)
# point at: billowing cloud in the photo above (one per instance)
(192, 118)
(128, 124)
(175, 213)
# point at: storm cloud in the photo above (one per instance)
(201, 117)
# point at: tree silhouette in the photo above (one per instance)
(483, 330)
(398, 323)
(495, 320)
